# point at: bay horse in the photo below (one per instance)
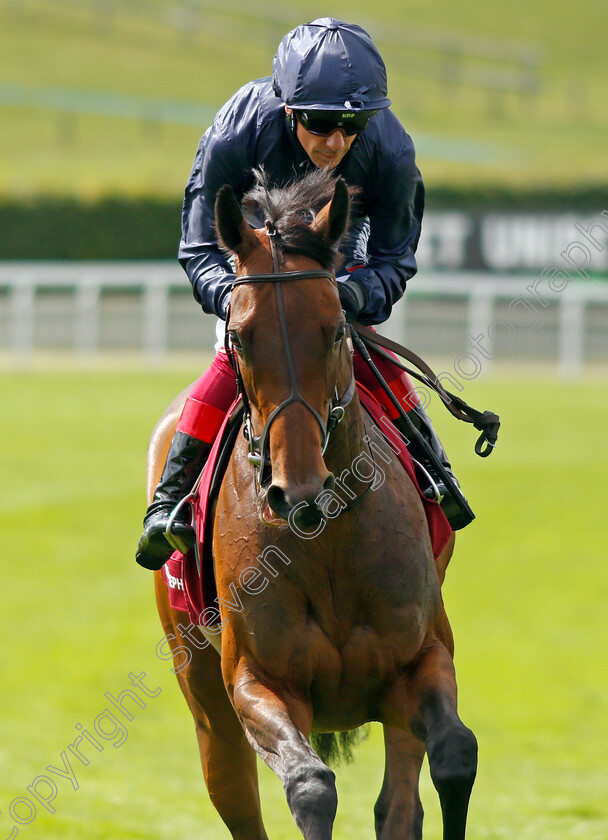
(351, 627)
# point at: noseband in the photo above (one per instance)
(258, 445)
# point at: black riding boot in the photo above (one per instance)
(186, 458)
(456, 516)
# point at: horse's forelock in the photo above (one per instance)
(292, 208)
(298, 199)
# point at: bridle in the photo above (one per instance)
(258, 444)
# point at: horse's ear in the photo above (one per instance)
(332, 221)
(233, 231)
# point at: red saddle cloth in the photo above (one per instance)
(196, 594)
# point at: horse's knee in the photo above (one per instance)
(311, 795)
(453, 759)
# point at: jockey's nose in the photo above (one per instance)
(335, 140)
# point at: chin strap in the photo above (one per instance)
(485, 422)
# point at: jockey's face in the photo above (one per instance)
(325, 151)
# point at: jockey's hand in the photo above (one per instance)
(352, 298)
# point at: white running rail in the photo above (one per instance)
(91, 307)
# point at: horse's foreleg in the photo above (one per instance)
(278, 729)
(423, 701)
(398, 811)
(228, 762)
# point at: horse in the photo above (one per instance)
(350, 627)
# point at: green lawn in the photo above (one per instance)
(145, 53)
(526, 594)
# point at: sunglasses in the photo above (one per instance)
(324, 122)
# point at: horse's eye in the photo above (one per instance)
(340, 333)
(235, 341)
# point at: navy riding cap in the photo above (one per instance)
(330, 65)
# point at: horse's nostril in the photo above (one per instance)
(283, 500)
(330, 482)
(277, 500)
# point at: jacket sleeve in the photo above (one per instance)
(395, 219)
(219, 160)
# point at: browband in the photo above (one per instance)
(287, 275)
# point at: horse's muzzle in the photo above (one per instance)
(282, 500)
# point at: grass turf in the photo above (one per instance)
(526, 595)
(147, 53)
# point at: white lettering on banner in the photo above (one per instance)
(508, 241)
(443, 243)
(530, 241)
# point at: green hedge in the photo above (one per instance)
(586, 199)
(122, 228)
(111, 229)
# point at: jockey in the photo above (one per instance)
(325, 106)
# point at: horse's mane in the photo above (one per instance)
(291, 209)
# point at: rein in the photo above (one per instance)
(486, 422)
(258, 444)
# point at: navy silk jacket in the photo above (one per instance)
(252, 130)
